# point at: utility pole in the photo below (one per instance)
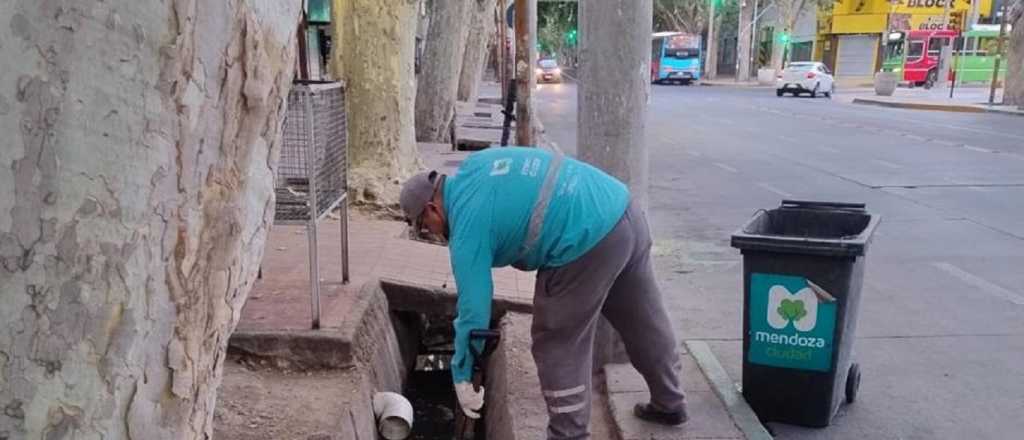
(614, 83)
(947, 49)
(999, 55)
(972, 18)
(711, 60)
(526, 80)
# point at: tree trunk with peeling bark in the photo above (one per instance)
(478, 43)
(375, 45)
(443, 52)
(789, 12)
(1014, 92)
(138, 165)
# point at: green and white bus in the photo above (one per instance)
(975, 54)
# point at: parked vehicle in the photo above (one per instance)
(675, 57)
(548, 71)
(811, 78)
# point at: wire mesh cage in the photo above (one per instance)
(312, 176)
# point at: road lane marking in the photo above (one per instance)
(828, 148)
(726, 167)
(694, 153)
(980, 283)
(775, 190)
(978, 149)
(887, 164)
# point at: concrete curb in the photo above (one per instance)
(742, 414)
(958, 108)
(1004, 111)
(735, 85)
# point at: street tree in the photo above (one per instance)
(438, 81)
(374, 54)
(557, 30)
(141, 141)
(1013, 94)
(478, 42)
(788, 12)
(689, 16)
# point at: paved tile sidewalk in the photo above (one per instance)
(281, 299)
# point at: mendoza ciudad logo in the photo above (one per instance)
(792, 322)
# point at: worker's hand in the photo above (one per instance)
(469, 399)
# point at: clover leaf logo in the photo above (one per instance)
(785, 307)
(792, 310)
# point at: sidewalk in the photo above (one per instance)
(964, 100)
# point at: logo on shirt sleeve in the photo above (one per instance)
(501, 167)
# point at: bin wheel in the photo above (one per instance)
(852, 383)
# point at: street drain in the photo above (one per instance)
(428, 386)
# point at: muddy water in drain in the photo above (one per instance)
(433, 402)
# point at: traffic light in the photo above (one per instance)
(783, 37)
(570, 37)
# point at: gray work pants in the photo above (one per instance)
(614, 279)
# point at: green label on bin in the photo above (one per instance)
(792, 322)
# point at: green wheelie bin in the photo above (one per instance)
(803, 265)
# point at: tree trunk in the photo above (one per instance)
(478, 43)
(138, 165)
(1013, 94)
(376, 59)
(615, 59)
(439, 75)
(746, 15)
(526, 80)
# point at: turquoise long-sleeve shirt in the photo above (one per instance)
(489, 202)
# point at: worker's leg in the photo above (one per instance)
(567, 304)
(635, 308)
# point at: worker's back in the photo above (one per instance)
(491, 197)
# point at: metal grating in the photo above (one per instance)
(311, 176)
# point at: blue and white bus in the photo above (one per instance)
(675, 56)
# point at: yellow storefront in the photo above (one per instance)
(849, 34)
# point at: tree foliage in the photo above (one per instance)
(556, 30)
(681, 15)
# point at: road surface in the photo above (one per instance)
(941, 329)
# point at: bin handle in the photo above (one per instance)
(821, 205)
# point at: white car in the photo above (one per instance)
(805, 77)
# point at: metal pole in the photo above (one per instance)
(344, 239)
(999, 55)
(943, 71)
(314, 257)
(972, 19)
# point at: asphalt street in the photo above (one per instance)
(941, 326)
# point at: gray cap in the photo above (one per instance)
(416, 192)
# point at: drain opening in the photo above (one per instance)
(429, 382)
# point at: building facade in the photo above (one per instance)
(850, 32)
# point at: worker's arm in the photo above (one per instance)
(471, 261)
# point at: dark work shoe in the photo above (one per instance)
(647, 412)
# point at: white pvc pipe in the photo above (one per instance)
(394, 415)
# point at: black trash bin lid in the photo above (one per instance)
(807, 227)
